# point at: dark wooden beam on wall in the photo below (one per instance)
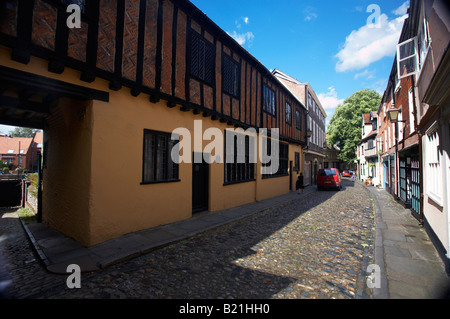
(21, 53)
(57, 64)
(92, 42)
(171, 104)
(116, 84)
(159, 39)
(12, 104)
(44, 85)
(137, 89)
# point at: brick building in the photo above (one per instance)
(315, 151)
(20, 152)
(414, 121)
(109, 95)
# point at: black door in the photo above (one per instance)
(291, 170)
(200, 186)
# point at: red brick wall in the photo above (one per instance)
(172, 68)
(107, 35)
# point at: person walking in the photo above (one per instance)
(299, 184)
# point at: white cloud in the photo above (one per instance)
(242, 38)
(366, 73)
(369, 44)
(330, 99)
(309, 13)
(402, 9)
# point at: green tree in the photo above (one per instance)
(23, 132)
(345, 125)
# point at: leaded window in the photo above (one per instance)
(202, 58)
(230, 76)
(241, 167)
(158, 164)
(269, 100)
(288, 113)
(298, 120)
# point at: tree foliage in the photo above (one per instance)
(345, 125)
(23, 132)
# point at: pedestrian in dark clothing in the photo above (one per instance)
(299, 184)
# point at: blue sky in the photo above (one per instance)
(329, 44)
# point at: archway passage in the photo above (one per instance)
(30, 100)
(27, 99)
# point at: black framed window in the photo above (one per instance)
(288, 113)
(202, 58)
(283, 159)
(269, 100)
(297, 161)
(241, 168)
(298, 119)
(158, 165)
(230, 76)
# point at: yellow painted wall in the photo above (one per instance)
(92, 186)
(66, 176)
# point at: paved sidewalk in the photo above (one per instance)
(58, 251)
(410, 265)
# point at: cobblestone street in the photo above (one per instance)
(318, 246)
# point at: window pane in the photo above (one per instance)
(230, 76)
(158, 165)
(202, 58)
(149, 164)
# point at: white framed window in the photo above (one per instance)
(432, 165)
(423, 42)
(407, 58)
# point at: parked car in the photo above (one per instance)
(346, 173)
(328, 178)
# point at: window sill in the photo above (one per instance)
(274, 176)
(161, 182)
(239, 182)
(436, 199)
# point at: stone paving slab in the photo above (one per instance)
(410, 265)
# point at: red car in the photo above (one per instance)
(328, 178)
(346, 173)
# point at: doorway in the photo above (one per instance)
(200, 186)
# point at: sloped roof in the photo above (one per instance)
(366, 117)
(13, 145)
(39, 137)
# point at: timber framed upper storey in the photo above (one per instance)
(167, 49)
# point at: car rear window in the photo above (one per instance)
(327, 172)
